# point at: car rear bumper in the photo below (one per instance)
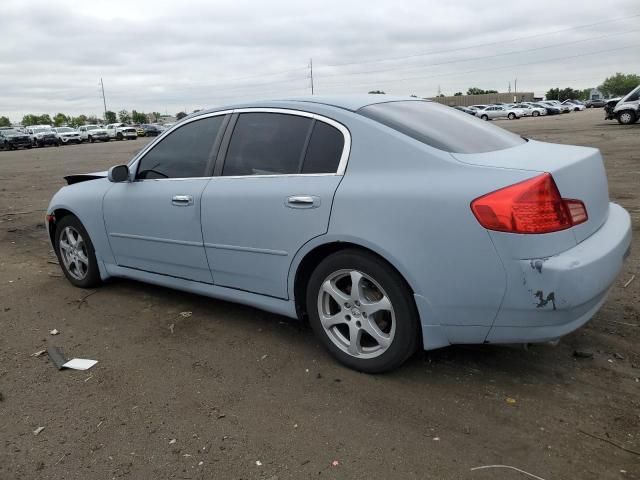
(549, 297)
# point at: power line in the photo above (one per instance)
(516, 52)
(489, 68)
(434, 52)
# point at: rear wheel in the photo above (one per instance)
(511, 116)
(535, 113)
(90, 139)
(119, 136)
(362, 311)
(76, 254)
(484, 117)
(626, 117)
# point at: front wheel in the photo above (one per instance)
(119, 136)
(535, 114)
(484, 117)
(76, 254)
(362, 311)
(626, 117)
(511, 116)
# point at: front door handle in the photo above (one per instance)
(303, 201)
(182, 200)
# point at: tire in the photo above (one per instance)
(82, 274)
(381, 344)
(91, 139)
(511, 116)
(484, 117)
(119, 136)
(28, 147)
(5, 146)
(626, 117)
(535, 113)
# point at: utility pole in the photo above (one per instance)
(311, 70)
(104, 101)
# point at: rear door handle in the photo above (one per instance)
(182, 200)
(303, 201)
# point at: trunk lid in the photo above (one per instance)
(578, 172)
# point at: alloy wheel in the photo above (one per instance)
(356, 314)
(73, 251)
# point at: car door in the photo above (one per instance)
(153, 221)
(275, 179)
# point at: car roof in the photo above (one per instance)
(346, 102)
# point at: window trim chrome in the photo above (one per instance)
(342, 164)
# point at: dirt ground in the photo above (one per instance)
(236, 393)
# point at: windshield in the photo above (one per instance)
(441, 127)
(65, 129)
(92, 127)
(11, 131)
(633, 95)
(40, 130)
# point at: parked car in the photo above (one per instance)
(563, 108)
(466, 110)
(12, 138)
(66, 135)
(496, 111)
(552, 108)
(609, 106)
(42, 135)
(120, 131)
(595, 103)
(627, 110)
(309, 208)
(530, 110)
(139, 130)
(93, 133)
(151, 130)
(574, 105)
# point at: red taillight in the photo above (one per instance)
(532, 206)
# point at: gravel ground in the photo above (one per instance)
(233, 392)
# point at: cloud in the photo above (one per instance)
(167, 56)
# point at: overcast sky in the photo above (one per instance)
(173, 55)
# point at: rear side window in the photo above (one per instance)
(267, 144)
(184, 153)
(441, 127)
(324, 150)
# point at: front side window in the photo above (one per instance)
(441, 127)
(185, 153)
(267, 144)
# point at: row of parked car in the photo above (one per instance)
(513, 111)
(12, 138)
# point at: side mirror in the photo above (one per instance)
(119, 173)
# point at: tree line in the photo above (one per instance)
(60, 119)
(616, 85)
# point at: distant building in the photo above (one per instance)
(596, 94)
(468, 100)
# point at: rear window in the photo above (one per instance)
(442, 127)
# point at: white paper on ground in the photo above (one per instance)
(80, 364)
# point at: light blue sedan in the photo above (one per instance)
(389, 223)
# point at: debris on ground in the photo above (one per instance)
(531, 475)
(54, 332)
(171, 327)
(264, 356)
(258, 463)
(80, 364)
(618, 356)
(38, 430)
(628, 282)
(1, 397)
(335, 463)
(186, 314)
(38, 353)
(511, 401)
(172, 441)
(60, 361)
(582, 354)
